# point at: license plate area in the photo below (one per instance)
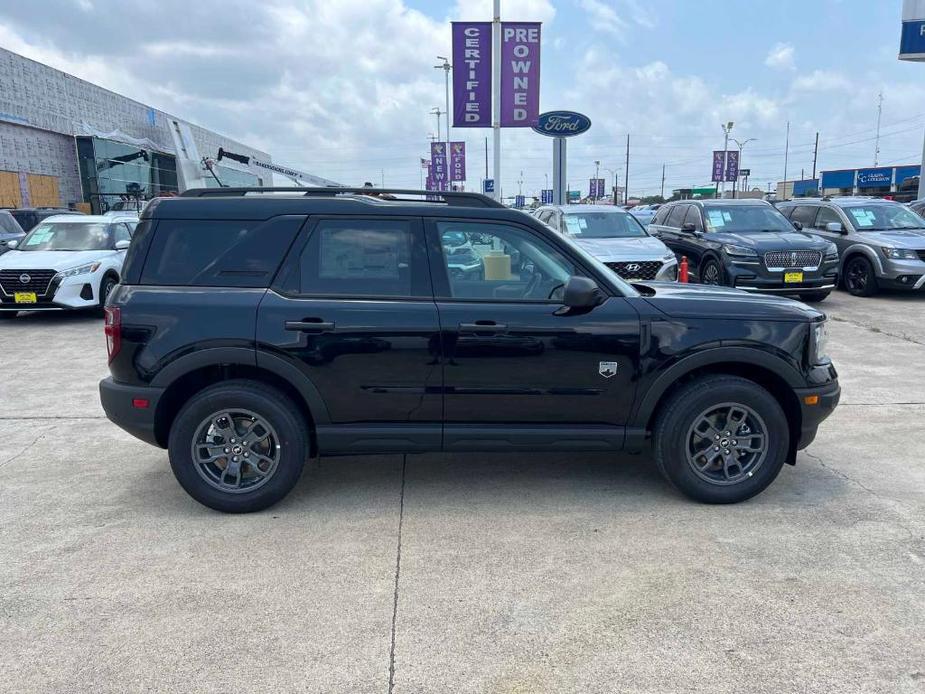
(793, 277)
(25, 298)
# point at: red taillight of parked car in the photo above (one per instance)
(113, 329)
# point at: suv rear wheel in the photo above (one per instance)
(721, 439)
(238, 446)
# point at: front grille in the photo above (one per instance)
(637, 270)
(780, 260)
(38, 281)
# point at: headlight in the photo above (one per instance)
(81, 270)
(818, 343)
(740, 251)
(669, 256)
(831, 253)
(899, 253)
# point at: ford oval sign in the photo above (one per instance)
(562, 123)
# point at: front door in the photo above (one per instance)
(353, 310)
(519, 370)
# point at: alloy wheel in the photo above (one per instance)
(235, 451)
(711, 274)
(857, 276)
(727, 443)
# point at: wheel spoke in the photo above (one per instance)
(226, 430)
(735, 419)
(748, 445)
(256, 459)
(213, 452)
(234, 468)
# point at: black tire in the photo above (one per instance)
(107, 284)
(269, 404)
(711, 272)
(814, 297)
(673, 431)
(859, 277)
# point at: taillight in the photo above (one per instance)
(113, 329)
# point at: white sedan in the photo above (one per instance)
(65, 262)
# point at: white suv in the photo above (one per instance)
(65, 262)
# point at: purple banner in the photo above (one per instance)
(732, 165)
(719, 164)
(520, 74)
(596, 188)
(471, 74)
(457, 161)
(438, 170)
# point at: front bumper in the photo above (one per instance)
(824, 400)
(119, 404)
(755, 277)
(78, 292)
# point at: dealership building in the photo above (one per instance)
(878, 181)
(66, 142)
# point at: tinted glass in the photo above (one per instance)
(218, 253)
(26, 219)
(661, 215)
(883, 217)
(693, 217)
(602, 225)
(362, 257)
(744, 218)
(805, 214)
(502, 263)
(8, 224)
(676, 216)
(61, 236)
(826, 216)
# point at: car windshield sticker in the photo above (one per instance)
(864, 217)
(40, 236)
(573, 224)
(716, 218)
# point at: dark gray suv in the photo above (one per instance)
(881, 242)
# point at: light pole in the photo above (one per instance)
(727, 128)
(614, 174)
(597, 175)
(446, 67)
(437, 112)
(741, 147)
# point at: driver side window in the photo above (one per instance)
(496, 262)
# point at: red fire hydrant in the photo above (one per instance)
(682, 270)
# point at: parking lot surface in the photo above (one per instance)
(463, 573)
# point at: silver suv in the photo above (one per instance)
(615, 237)
(881, 243)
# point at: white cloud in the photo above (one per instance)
(782, 56)
(821, 80)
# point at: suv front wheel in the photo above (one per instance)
(721, 439)
(238, 446)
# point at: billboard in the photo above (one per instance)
(520, 74)
(912, 34)
(471, 74)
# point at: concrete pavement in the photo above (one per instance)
(455, 573)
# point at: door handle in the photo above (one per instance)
(483, 327)
(310, 325)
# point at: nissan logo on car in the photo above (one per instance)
(562, 123)
(25, 278)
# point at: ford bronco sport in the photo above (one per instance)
(256, 328)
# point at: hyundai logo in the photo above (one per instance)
(25, 278)
(633, 267)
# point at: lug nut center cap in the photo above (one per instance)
(237, 450)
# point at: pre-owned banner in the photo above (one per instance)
(732, 165)
(471, 74)
(520, 74)
(457, 161)
(719, 165)
(438, 170)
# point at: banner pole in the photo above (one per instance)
(496, 95)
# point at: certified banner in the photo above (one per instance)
(438, 169)
(457, 161)
(520, 74)
(732, 165)
(471, 74)
(719, 165)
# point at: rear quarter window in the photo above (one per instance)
(224, 253)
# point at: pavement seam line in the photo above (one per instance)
(23, 451)
(401, 518)
(874, 329)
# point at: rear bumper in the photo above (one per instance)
(813, 415)
(118, 402)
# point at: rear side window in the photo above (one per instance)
(805, 214)
(661, 215)
(676, 217)
(223, 253)
(693, 217)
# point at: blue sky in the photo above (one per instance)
(344, 88)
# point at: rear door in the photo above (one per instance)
(353, 311)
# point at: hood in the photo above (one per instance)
(680, 300)
(897, 238)
(49, 260)
(763, 241)
(618, 250)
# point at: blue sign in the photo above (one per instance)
(562, 123)
(875, 178)
(152, 117)
(518, 201)
(912, 40)
(574, 195)
(488, 185)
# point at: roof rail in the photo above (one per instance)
(451, 198)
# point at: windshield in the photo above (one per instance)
(603, 225)
(67, 236)
(744, 218)
(883, 217)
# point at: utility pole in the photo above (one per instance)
(626, 175)
(727, 128)
(437, 112)
(815, 154)
(546, 175)
(741, 147)
(663, 181)
(486, 157)
(446, 67)
(877, 142)
(520, 184)
(597, 174)
(786, 157)
(496, 97)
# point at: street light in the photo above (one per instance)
(446, 67)
(727, 128)
(437, 112)
(741, 147)
(614, 174)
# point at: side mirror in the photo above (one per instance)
(835, 227)
(12, 244)
(122, 244)
(688, 228)
(798, 226)
(582, 293)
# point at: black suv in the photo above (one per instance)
(748, 244)
(253, 330)
(29, 217)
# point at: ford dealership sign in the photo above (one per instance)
(562, 123)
